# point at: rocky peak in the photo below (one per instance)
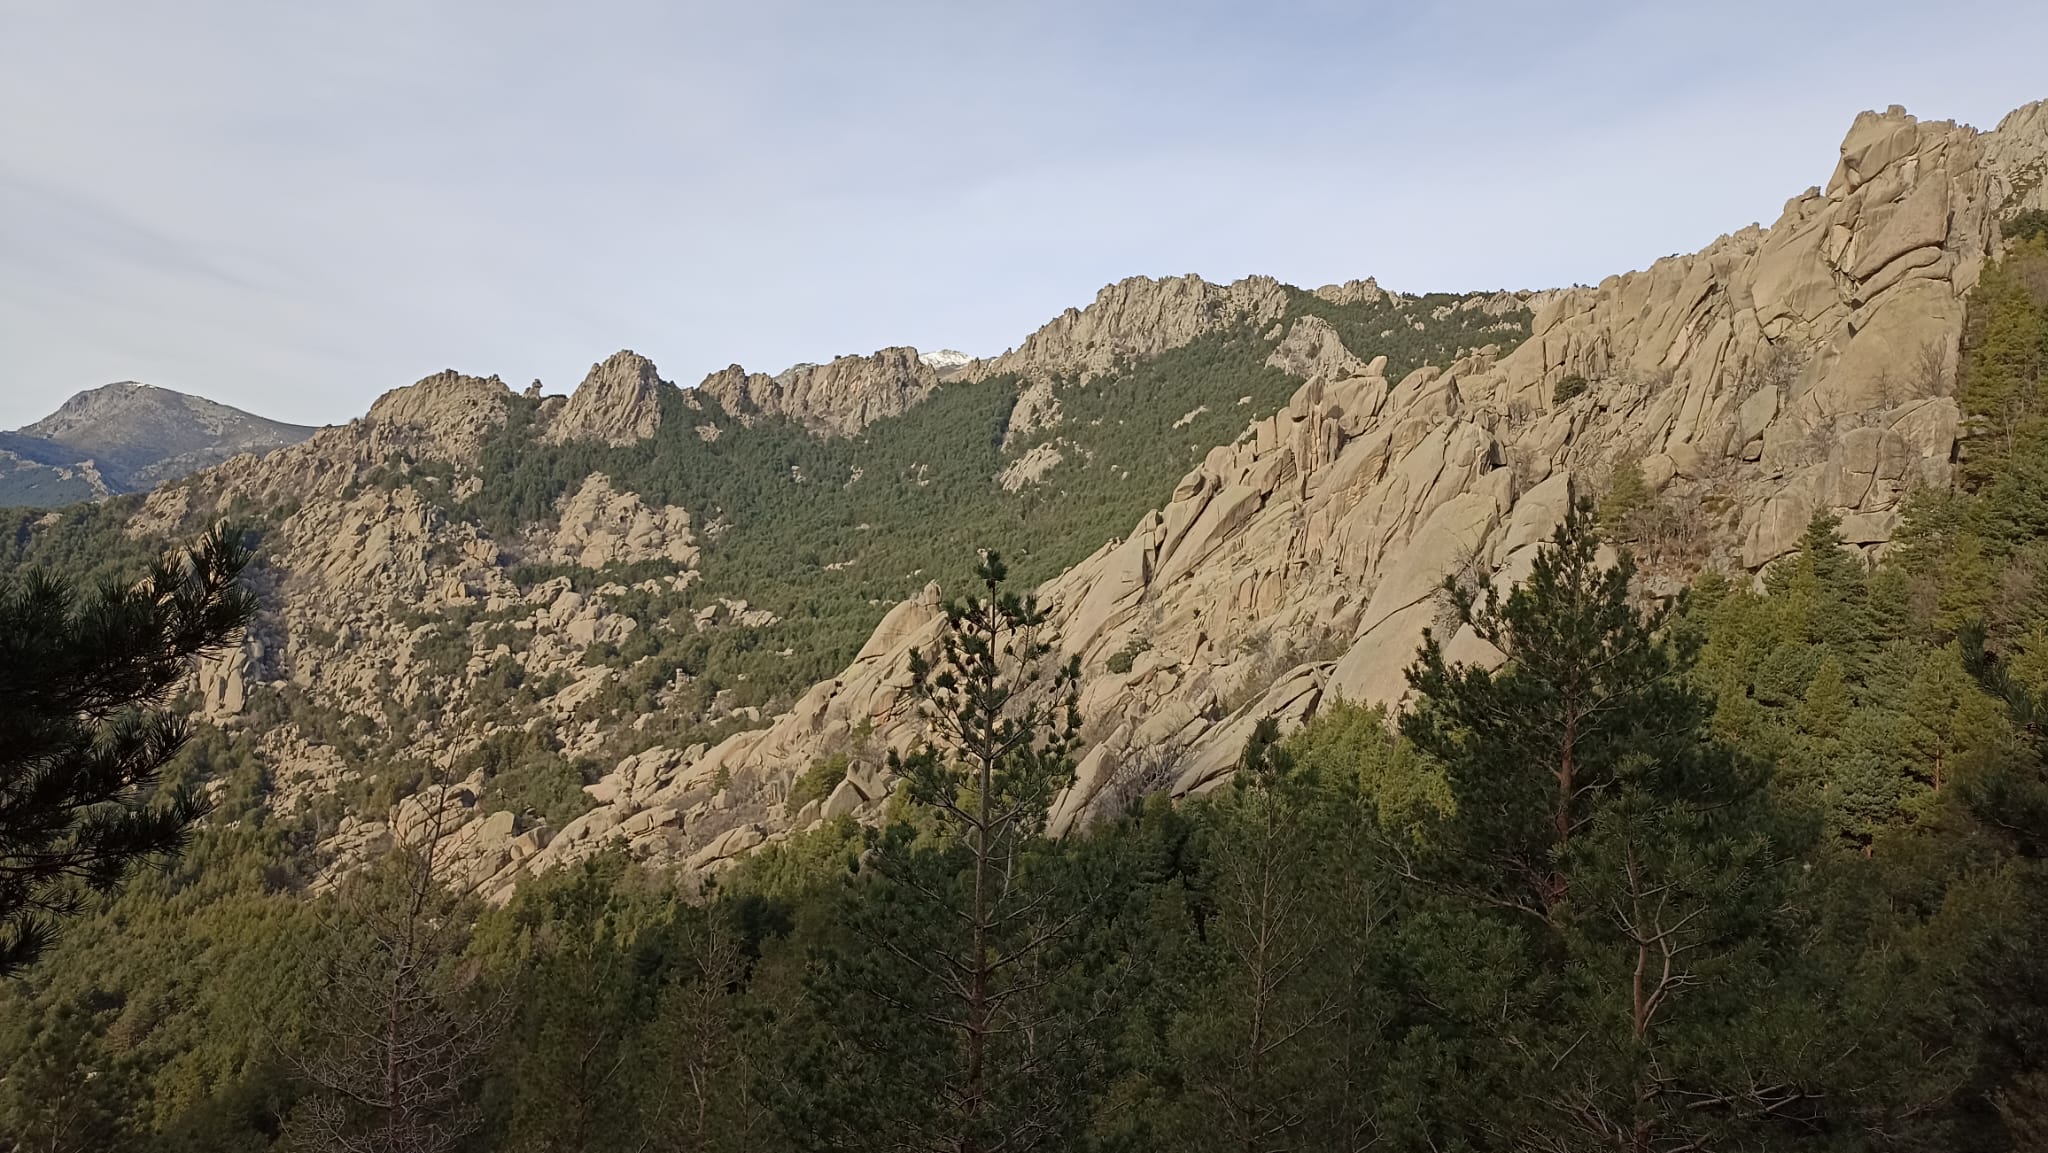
(446, 416)
(91, 409)
(836, 399)
(619, 402)
(1138, 317)
(1352, 292)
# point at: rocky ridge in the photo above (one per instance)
(1781, 371)
(1777, 372)
(1133, 318)
(835, 399)
(1139, 318)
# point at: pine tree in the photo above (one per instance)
(1278, 1045)
(1544, 739)
(706, 1097)
(66, 1091)
(2005, 359)
(402, 1023)
(85, 734)
(1632, 852)
(955, 1014)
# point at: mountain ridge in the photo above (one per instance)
(1240, 503)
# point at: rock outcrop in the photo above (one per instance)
(1782, 371)
(2016, 156)
(599, 526)
(1135, 318)
(446, 416)
(1312, 348)
(619, 402)
(835, 399)
(1030, 468)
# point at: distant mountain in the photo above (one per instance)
(127, 437)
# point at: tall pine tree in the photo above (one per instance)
(956, 1014)
(1633, 855)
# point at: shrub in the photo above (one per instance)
(527, 774)
(1569, 387)
(2029, 225)
(1120, 662)
(817, 782)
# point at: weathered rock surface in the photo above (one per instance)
(835, 399)
(446, 416)
(1132, 318)
(1303, 562)
(619, 402)
(1031, 467)
(1311, 348)
(599, 526)
(2016, 156)
(1805, 367)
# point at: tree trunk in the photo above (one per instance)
(1567, 769)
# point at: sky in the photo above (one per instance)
(293, 207)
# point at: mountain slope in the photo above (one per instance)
(637, 614)
(127, 437)
(634, 568)
(1808, 367)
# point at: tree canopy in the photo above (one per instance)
(84, 734)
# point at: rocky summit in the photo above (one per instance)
(639, 615)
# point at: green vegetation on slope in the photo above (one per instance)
(166, 1020)
(1792, 907)
(85, 542)
(827, 534)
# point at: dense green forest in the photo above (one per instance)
(1765, 867)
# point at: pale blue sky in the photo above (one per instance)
(292, 207)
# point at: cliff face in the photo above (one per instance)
(1135, 318)
(2016, 159)
(1808, 366)
(1781, 371)
(619, 402)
